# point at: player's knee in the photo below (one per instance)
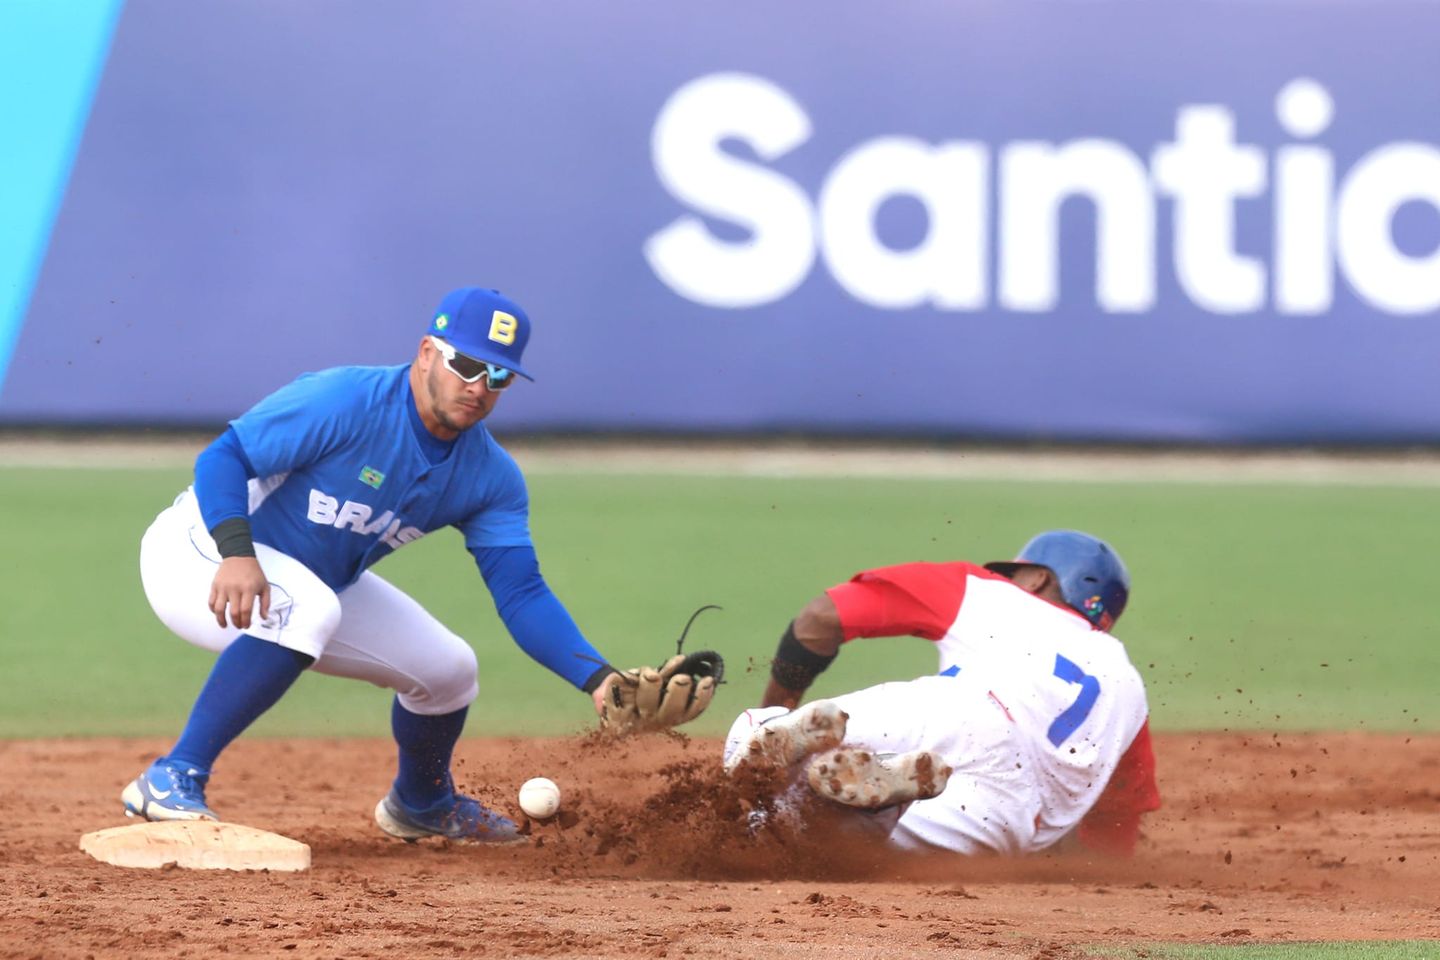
(449, 681)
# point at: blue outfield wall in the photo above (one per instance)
(1210, 222)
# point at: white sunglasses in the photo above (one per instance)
(469, 369)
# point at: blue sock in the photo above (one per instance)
(426, 744)
(247, 679)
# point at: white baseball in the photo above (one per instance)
(539, 798)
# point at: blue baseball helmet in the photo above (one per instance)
(1093, 578)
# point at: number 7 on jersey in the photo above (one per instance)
(1075, 714)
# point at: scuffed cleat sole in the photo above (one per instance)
(788, 739)
(859, 778)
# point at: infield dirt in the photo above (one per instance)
(1263, 838)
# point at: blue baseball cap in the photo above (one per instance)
(484, 324)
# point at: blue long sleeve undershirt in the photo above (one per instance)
(535, 617)
(222, 476)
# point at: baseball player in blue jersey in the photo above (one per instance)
(266, 558)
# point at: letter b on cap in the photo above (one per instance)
(502, 327)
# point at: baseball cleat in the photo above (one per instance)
(860, 778)
(785, 740)
(459, 818)
(168, 791)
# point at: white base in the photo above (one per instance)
(196, 845)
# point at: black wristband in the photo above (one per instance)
(232, 538)
(597, 678)
(796, 666)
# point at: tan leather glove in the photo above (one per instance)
(651, 698)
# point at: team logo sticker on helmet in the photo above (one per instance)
(502, 327)
(441, 322)
(1094, 610)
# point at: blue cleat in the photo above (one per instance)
(459, 818)
(168, 791)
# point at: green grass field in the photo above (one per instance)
(1255, 607)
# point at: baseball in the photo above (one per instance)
(539, 798)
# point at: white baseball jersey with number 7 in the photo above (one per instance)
(1042, 716)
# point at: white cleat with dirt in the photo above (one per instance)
(860, 778)
(785, 740)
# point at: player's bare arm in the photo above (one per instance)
(815, 636)
(809, 644)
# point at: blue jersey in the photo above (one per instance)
(342, 481)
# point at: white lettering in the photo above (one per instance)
(397, 537)
(1304, 245)
(322, 508)
(1377, 186)
(1304, 184)
(948, 267)
(686, 147)
(1036, 177)
(751, 237)
(1205, 171)
(353, 515)
(380, 523)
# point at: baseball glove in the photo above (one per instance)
(657, 698)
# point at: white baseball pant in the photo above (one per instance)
(991, 801)
(368, 631)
